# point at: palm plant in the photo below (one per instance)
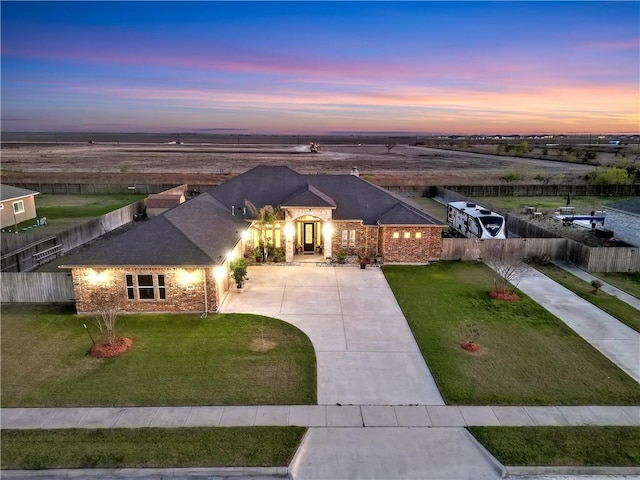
(264, 218)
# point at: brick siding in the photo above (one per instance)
(412, 249)
(182, 294)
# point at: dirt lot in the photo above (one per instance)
(209, 163)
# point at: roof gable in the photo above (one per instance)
(309, 196)
(9, 192)
(261, 186)
(401, 214)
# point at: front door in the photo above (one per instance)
(308, 245)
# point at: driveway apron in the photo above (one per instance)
(366, 353)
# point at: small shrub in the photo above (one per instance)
(597, 285)
(341, 257)
(542, 260)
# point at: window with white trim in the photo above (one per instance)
(18, 207)
(348, 238)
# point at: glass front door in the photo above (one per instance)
(309, 230)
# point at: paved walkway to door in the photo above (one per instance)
(366, 353)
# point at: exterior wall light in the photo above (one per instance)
(219, 273)
(186, 277)
(98, 278)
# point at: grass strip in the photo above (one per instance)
(610, 304)
(150, 447)
(562, 446)
(627, 282)
(527, 356)
(56, 207)
(175, 360)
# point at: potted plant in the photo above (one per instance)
(363, 259)
(341, 257)
(239, 272)
(258, 253)
(278, 254)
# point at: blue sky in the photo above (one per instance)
(303, 67)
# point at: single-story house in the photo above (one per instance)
(17, 205)
(179, 261)
(623, 219)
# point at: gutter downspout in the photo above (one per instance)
(206, 303)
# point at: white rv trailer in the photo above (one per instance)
(474, 221)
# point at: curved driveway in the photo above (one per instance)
(365, 351)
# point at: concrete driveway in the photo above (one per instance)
(366, 354)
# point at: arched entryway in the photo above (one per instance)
(308, 233)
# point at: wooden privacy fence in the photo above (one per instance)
(605, 259)
(94, 188)
(26, 251)
(37, 287)
(525, 248)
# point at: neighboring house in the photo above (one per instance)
(18, 205)
(161, 202)
(178, 261)
(623, 219)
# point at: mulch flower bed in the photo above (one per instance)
(104, 350)
(504, 296)
(470, 346)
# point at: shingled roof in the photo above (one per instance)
(631, 205)
(199, 232)
(9, 192)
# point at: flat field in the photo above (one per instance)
(199, 160)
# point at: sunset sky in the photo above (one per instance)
(315, 67)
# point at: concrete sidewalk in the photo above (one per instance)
(607, 288)
(618, 342)
(365, 350)
(318, 416)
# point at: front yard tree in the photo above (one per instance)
(106, 307)
(264, 218)
(508, 264)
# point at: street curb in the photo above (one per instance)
(256, 473)
(522, 471)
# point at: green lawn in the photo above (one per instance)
(56, 207)
(583, 204)
(562, 446)
(527, 356)
(150, 447)
(174, 360)
(610, 304)
(627, 282)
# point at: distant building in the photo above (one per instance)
(623, 219)
(18, 205)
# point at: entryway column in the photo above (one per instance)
(327, 234)
(289, 233)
